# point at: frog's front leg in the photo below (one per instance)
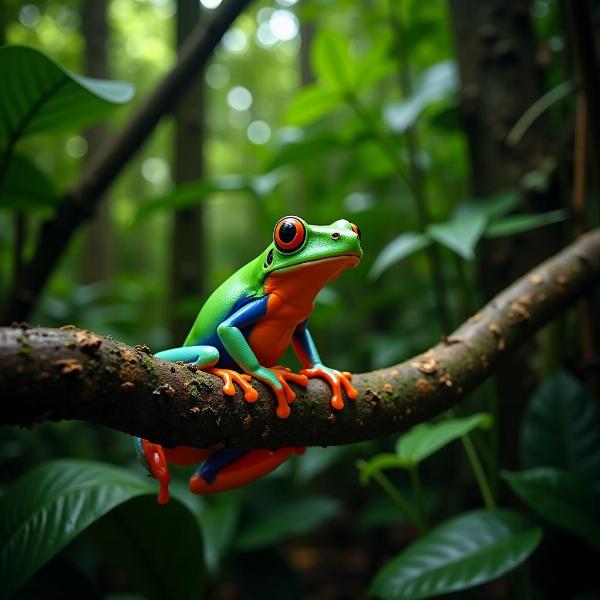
(234, 341)
(306, 351)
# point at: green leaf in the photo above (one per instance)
(160, 547)
(500, 204)
(561, 428)
(514, 224)
(218, 519)
(46, 508)
(465, 551)
(374, 65)
(37, 94)
(379, 463)
(460, 235)
(435, 84)
(561, 498)
(427, 438)
(25, 188)
(399, 248)
(295, 517)
(331, 61)
(312, 103)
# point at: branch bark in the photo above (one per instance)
(53, 374)
(81, 200)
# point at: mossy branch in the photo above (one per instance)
(54, 374)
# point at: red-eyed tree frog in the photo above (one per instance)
(242, 331)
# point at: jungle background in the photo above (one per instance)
(462, 138)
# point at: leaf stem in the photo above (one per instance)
(478, 471)
(415, 480)
(394, 493)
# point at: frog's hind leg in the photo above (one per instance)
(153, 456)
(228, 469)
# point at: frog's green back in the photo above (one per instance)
(244, 283)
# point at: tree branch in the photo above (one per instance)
(53, 374)
(80, 201)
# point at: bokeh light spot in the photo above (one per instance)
(284, 25)
(235, 40)
(210, 3)
(259, 132)
(76, 146)
(217, 76)
(239, 98)
(29, 15)
(156, 170)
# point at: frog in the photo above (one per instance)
(242, 331)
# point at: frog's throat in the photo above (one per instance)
(303, 282)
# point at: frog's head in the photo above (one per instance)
(311, 252)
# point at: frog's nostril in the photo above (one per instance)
(335, 235)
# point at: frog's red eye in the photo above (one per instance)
(289, 234)
(356, 230)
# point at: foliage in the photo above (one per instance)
(45, 509)
(485, 545)
(370, 130)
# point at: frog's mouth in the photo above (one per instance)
(337, 263)
(306, 279)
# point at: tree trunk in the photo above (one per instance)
(98, 252)
(188, 248)
(497, 50)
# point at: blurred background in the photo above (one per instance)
(450, 132)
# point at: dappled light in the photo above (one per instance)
(299, 299)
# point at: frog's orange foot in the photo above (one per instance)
(229, 377)
(159, 468)
(337, 380)
(285, 394)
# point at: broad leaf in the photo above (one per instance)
(331, 61)
(500, 204)
(46, 508)
(561, 498)
(514, 224)
(218, 519)
(460, 235)
(296, 517)
(25, 188)
(312, 103)
(466, 551)
(561, 428)
(436, 83)
(160, 547)
(399, 248)
(37, 94)
(427, 438)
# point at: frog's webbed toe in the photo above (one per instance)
(229, 377)
(337, 380)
